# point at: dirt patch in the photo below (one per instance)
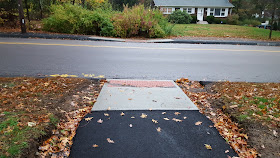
(252, 108)
(256, 108)
(32, 109)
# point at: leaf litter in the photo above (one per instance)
(40, 114)
(229, 104)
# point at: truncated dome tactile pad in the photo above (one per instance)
(141, 83)
(142, 95)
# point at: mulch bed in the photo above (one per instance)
(43, 112)
(245, 114)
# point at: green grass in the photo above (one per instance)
(219, 30)
(13, 137)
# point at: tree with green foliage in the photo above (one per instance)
(179, 17)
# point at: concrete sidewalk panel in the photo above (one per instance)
(142, 95)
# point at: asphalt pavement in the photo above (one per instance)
(143, 140)
(40, 57)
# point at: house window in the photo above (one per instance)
(212, 11)
(217, 12)
(188, 10)
(166, 10)
(223, 12)
(169, 10)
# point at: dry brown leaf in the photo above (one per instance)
(100, 121)
(110, 141)
(106, 114)
(129, 98)
(122, 114)
(89, 118)
(227, 151)
(166, 119)
(176, 120)
(198, 123)
(155, 121)
(132, 117)
(163, 113)
(159, 129)
(143, 115)
(95, 146)
(207, 146)
(185, 117)
(109, 108)
(177, 113)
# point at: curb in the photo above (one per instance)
(256, 43)
(178, 41)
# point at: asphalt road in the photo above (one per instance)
(33, 57)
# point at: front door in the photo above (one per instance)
(200, 13)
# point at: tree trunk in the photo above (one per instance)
(41, 11)
(21, 17)
(27, 12)
(272, 21)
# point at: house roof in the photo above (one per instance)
(194, 3)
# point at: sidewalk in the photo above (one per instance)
(132, 119)
(188, 40)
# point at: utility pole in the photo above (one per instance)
(21, 17)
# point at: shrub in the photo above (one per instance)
(211, 19)
(138, 21)
(69, 18)
(275, 26)
(233, 19)
(251, 22)
(179, 17)
(194, 19)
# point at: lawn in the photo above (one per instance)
(31, 108)
(219, 30)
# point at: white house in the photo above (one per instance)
(201, 8)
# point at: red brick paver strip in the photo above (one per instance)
(140, 83)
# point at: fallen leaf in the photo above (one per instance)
(233, 106)
(89, 118)
(227, 151)
(122, 114)
(177, 98)
(130, 125)
(100, 121)
(110, 141)
(106, 114)
(176, 120)
(151, 109)
(177, 113)
(155, 121)
(263, 146)
(212, 113)
(129, 98)
(159, 129)
(143, 115)
(132, 117)
(275, 133)
(185, 117)
(166, 119)
(95, 146)
(31, 124)
(207, 146)
(163, 113)
(109, 108)
(198, 123)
